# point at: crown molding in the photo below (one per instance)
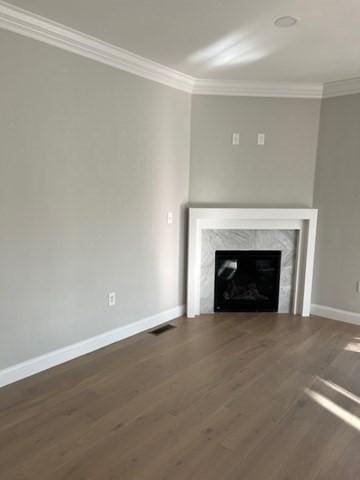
(341, 87)
(34, 26)
(258, 89)
(39, 28)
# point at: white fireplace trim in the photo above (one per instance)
(302, 219)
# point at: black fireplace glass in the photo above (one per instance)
(247, 280)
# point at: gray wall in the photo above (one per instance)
(337, 195)
(279, 173)
(91, 161)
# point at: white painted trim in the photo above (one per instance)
(40, 28)
(62, 355)
(342, 87)
(258, 89)
(335, 314)
(297, 277)
(302, 219)
(53, 33)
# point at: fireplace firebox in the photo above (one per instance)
(247, 280)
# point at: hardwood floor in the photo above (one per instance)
(225, 397)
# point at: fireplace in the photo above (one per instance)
(247, 280)
(296, 274)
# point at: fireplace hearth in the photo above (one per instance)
(247, 280)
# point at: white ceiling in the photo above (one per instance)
(224, 39)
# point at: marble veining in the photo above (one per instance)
(218, 239)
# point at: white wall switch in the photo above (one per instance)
(261, 139)
(235, 138)
(112, 299)
(170, 218)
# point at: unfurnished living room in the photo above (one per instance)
(180, 240)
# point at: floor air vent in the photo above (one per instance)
(163, 329)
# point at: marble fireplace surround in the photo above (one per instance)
(302, 220)
(284, 241)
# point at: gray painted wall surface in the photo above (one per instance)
(281, 173)
(91, 161)
(337, 195)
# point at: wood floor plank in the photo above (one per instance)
(222, 396)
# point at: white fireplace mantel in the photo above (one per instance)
(302, 219)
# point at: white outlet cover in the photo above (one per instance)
(112, 299)
(236, 138)
(261, 139)
(170, 218)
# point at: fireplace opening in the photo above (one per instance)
(247, 280)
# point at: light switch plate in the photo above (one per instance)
(235, 138)
(261, 139)
(112, 299)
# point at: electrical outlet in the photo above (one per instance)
(112, 299)
(261, 139)
(170, 218)
(358, 286)
(236, 138)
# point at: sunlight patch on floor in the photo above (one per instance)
(343, 391)
(334, 408)
(353, 347)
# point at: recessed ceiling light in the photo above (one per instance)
(286, 22)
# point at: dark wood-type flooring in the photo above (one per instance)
(225, 397)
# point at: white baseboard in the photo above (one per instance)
(336, 314)
(62, 355)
